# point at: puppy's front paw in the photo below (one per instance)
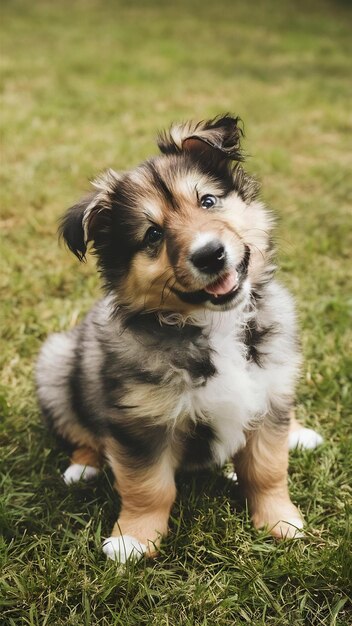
(280, 518)
(290, 529)
(124, 548)
(76, 472)
(305, 438)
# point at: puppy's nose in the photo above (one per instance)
(209, 259)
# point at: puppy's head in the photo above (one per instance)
(183, 230)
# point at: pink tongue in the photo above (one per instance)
(223, 286)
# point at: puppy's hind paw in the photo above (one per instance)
(231, 476)
(76, 472)
(124, 548)
(305, 438)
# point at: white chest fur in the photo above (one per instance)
(231, 399)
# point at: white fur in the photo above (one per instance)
(76, 472)
(183, 186)
(107, 180)
(54, 363)
(231, 476)
(86, 216)
(295, 532)
(201, 239)
(233, 251)
(231, 401)
(124, 548)
(232, 397)
(241, 392)
(304, 438)
(297, 522)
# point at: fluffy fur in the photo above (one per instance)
(191, 358)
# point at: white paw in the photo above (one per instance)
(76, 472)
(231, 476)
(295, 528)
(288, 529)
(304, 438)
(124, 548)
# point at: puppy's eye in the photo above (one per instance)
(208, 201)
(153, 235)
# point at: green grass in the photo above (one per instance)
(86, 84)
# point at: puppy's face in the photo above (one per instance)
(183, 230)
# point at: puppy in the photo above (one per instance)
(191, 358)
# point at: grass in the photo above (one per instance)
(86, 84)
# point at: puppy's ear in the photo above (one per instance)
(220, 136)
(91, 217)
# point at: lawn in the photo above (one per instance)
(86, 85)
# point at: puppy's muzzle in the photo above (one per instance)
(210, 259)
(226, 287)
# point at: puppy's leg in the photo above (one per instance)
(262, 471)
(147, 495)
(301, 437)
(85, 464)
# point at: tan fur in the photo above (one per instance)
(77, 435)
(166, 193)
(147, 497)
(149, 281)
(294, 424)
(262, 472)
(87, 456)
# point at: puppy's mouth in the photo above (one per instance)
(221, 291)
(224, 285)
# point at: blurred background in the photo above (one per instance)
(86, 84)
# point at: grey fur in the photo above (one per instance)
(194, 344)
(106, 378)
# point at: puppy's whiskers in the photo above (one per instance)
(166, 286)
(252, 245)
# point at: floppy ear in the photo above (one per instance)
(87, 219)
(220, 137)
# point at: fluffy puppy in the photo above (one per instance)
(191, 358)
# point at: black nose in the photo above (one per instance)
(210, 259)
